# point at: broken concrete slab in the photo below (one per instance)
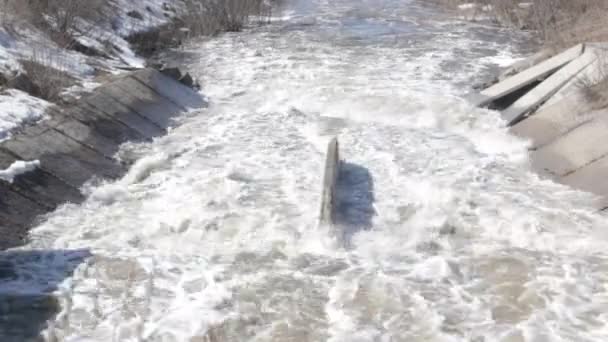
(526, 63)
(546, 89)
(553, 121)
(176, 92)
(574, 150)
(526, 77)
(330, 178)
(591, 74)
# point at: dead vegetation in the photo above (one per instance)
(201, 18)
(595, 86)
(65, 22)
(62, 20)
(48, 76)
(556, 23)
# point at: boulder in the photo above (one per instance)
(174, 73)
(135, 14)
(187, 80)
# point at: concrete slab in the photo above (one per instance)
(592, 73)
(13, 234)
(574, 150)
(553, 121)
(546, 89)
(84, 134)
(61, 156)
(524, 78)
(105, 125)
(103, 103)
(17, 208)
(40, 185)
(176, 92)
(143, 100)
(526, 64)
(590, 178)
(330, 177)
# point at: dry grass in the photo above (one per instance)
(62, 20)
(595, 86)
(48, 74)
(208, 17)
(200, 18)
(557, 23)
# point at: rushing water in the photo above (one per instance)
(445, 234)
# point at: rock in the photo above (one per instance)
(187, 80)
(174, 73)
(135, 14)
(24, 83)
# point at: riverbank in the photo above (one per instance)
(558, 97)
(75, 81)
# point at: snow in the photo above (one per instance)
(20, 41)
(17, 168)
(17, 108)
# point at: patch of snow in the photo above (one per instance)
(17, 168)
(17, 108)
(23, 42)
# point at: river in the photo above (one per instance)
(445, 232)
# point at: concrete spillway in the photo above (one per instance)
(80, 142)
(565, 129)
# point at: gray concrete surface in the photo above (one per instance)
(80, 142)
(328, 195)
(575, 149)
(567, 129)
(541, 93)
(143, 101)
(526, 77)
(591, 178)
(104, 105)
(553, 121)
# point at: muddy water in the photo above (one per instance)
(445, 234)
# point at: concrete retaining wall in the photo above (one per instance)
(330, 177)
(566, 130)
(79, 143)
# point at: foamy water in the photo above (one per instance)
(445, 233)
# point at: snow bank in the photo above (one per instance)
(17, 168)
(24, 42)
(17, 108)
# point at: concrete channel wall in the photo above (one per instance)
(330, 178)
(79, 143)
(567, 130)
